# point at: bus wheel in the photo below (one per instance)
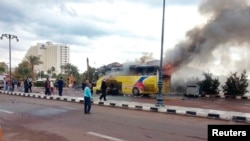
(135, 92)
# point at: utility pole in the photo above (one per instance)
(88, 69)
(159, 99)
(9, 36)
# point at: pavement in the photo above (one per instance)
(166, 109)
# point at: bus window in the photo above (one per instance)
(145, 70)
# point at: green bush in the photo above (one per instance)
(209, 85)
(39, 84)
(236, 85)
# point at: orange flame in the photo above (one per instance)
(168, 69)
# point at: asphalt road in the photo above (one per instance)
(237, 105)
(29, 119)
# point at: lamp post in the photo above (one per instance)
(9, 36)
(159, 99)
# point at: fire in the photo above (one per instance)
(168, 69)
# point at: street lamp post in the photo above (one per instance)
(9, 36)
(159, 99)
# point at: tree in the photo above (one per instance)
(236, 85)
(22, 70)
(71, 70)
(49, 71)
(52, 71)
(209, 85)
(91, 75)
(33, 60)
(3, 67)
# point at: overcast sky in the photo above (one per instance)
(105, 31)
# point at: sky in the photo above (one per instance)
(122, 31)
(105, 31)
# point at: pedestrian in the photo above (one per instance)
(13, 84)
(60, 84)
(87, 98)
(30, 86)
(84, 84)
(5, 84)
(52, 87)
(22, 86)
(18, 85)
(47, 87)
(103, 90)
(26, 85)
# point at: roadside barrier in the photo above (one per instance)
(178, 110)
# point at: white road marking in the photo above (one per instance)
(104, 136)
(9, 112)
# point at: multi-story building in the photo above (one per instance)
(52, 55)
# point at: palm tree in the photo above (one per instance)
(52, 71)
(49, 71)
(67, 68)
(33, 61)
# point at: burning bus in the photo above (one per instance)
(135, 80)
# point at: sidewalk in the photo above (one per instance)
(187, 111)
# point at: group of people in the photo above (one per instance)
(49, 89)
(87, 87)
(49, 86)
(24, 86)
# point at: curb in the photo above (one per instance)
(227, 97)
(186, 111)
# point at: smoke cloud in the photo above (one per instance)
(228, 25)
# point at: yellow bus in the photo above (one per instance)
(137, 80)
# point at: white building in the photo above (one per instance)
(52, 55)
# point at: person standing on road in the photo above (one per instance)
(52, 87)
(47, 87)
(18, 85)
(103, 90)
(87, 98)
(30, 86)
(60, 84)
(26, 85)
(4, 84)
(22, 86)
(13, 84)
(86, 82)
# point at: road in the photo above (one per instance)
(29, 119)
(237, 105)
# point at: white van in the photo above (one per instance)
(193, 90)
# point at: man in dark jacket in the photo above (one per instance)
(103, 90)
(26, 85)
(60, 84)
(47, 87)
